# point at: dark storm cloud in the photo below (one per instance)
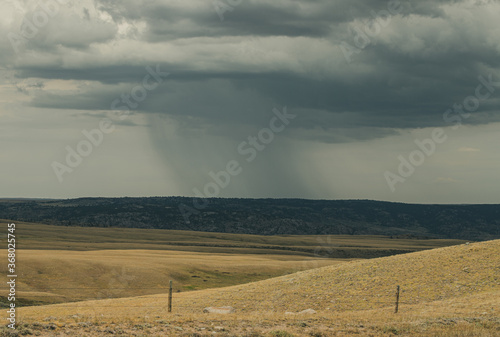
(170, 20)
(424, 61)
(111, 74)
(384, 101)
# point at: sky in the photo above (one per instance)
(321, 99)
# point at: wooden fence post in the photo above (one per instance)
(170, 297)
(397, 300)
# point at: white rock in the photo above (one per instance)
(307, 311)
(219, 310)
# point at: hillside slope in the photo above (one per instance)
(434, 275)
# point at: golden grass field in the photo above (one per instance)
(52, 276)
(47, 237)
(450, 291)
(62, 264)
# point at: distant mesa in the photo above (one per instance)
(265, 216)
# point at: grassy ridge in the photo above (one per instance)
(452, 291)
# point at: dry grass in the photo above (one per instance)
(60, 264)
(468, 316)
(37, 236)
(453, 291)
(49, 276)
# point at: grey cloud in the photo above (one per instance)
(167, 20)
(404, 79)
(26, 87)
(381, 101)
(66, 27)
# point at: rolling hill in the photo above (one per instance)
(64, 264)
(451, 291)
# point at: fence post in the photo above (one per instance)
(170, 297)
(397, 300)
